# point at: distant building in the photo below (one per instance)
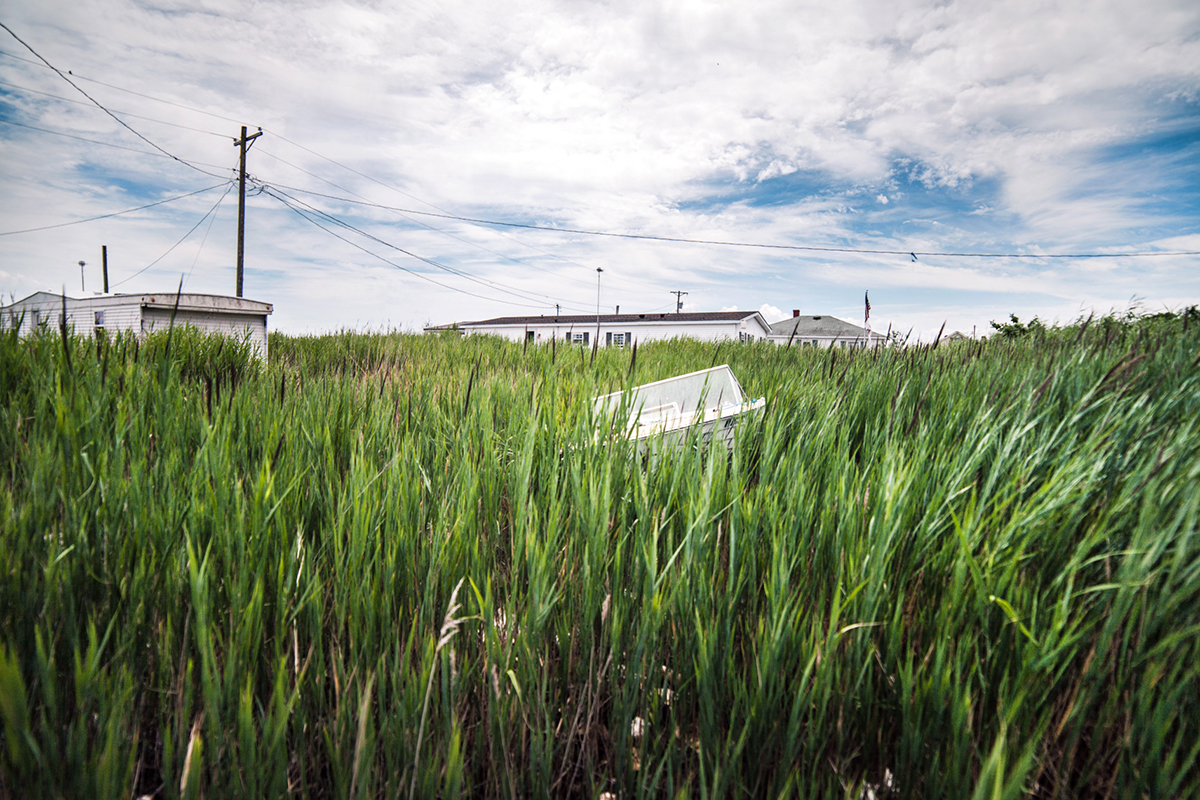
(822, 330)
(142, 313)
(619, 330)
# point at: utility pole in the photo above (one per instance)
(243, 143)
(104, 265)
(678, 301)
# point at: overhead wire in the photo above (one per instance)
(111, 113)
(438, 208)
(524, 295)
(724, 243)
(116, 213)
(422, 224)
(119, 113)
(443, 214)
(301, 213)
(181, 240)
(104, 144)
(211, 219)
(101, 106)
(130, 91)
(319, 155)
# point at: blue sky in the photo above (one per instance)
(1007, 127)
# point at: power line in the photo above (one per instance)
(355, 245)
(723, 243)
(331, 161)
(105, 144)
(422, 224)
(121, 113)
(119, 121)
(184, 237)
(426, 202)
(578, 231)
(460, 273)
(130, 91)
(203, 240)
(164, 152)
(115, 213)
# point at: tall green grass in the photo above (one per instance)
(393, 566)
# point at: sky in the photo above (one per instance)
(994, 129)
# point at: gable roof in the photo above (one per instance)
(821, 325)
(610, 319)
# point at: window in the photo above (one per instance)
(528, 334)
(99, 316)
(616, 339)
(580, 338)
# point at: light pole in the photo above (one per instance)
(598, 271)
(82, 288)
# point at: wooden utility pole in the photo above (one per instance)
(678, 301)
(243, 143)
(104, 265)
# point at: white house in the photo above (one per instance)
(822, 331)
(142, 313)
(618, 330)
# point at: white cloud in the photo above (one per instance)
(771, 313)
(677, 120)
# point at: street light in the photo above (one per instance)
(82, 288)
(598, 271)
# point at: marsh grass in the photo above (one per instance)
(962, 570)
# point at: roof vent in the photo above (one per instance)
(816, 317)
(641, 316)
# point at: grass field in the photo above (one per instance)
(398, 566)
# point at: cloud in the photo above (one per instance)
(771, 313)
(981, 127)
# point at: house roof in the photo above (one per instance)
(188, 301)
(607, 319)
(821, 325)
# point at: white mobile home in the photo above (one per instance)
(142, 313)
(619, 330)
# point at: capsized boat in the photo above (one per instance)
(662, 413)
